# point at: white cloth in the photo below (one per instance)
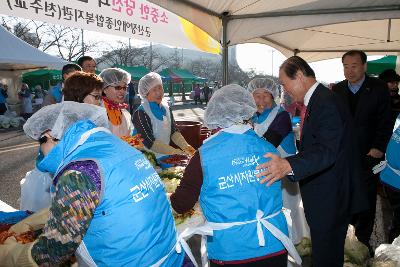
(291, 198)
(59, 117)
(261, 128)
(235, 129)
(27, 104)
(126, 126)
(35, 190)
(208, 228)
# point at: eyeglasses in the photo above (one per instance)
(119, 88)
(96, 97)
(44, 138)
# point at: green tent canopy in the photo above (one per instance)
(376, 67)
(173, 78)
(136, 72)
(44, 77)
(179, 75)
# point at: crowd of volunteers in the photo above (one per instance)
(259, 190)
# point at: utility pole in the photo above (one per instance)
(182, 57)
(129, 43)
(151, 56)
(83, 44)
(272, 66)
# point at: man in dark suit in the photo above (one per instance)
(369, 102)
(326, 166)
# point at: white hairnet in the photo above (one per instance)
(59, 117)
(229, 105)
(263, 83)
(147, 82)
(113, 76)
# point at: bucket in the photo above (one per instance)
(190, 130)
(204, 134)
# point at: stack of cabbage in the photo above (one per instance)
(356, 254)
(8, 121)
(304, 247)
(387, 255)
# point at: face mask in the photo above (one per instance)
(39, 158)
(50, 162)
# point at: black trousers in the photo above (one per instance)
(393, 196)
(364, 222)
(197, 98)
(277, 261)
(3, 108)
(328, 245)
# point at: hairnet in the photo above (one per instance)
(147, 82)
(113, 76)
(59, 117)
(263, 83)
(229, 105)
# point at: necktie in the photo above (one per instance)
(303, 111)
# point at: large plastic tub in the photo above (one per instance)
(190, 131)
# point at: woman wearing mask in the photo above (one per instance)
(98, 212)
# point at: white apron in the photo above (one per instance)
(161, 128)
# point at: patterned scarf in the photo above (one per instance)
(114, 111)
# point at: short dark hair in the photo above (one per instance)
(295, 63)
(83, 59)
(389, 75)
(67, 69)
(362, 55)
(80, 84)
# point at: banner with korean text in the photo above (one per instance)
(136, 19)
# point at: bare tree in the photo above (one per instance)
(64, 41)
(121, 54)
(68, 42)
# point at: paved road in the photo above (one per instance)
(18, 153)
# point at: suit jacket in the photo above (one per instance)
(326, 166)
(371, 117)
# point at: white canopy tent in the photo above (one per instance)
(16, 57)
(313, 29)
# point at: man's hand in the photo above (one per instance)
(276, 169)
(375, 153)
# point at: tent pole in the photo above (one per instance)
(224, 49)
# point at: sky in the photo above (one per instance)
(265, 59)
(261, 58)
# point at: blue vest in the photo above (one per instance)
(391, 174)
(56, 92)
(133, 223)
(231, 193)
(288, 143)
